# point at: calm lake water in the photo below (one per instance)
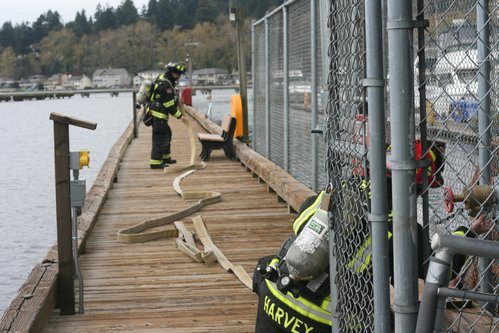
(27, 189)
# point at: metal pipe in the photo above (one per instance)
(438, 275)
(335, 320)
(400, 27)
(465, 245)
(267, 92)
(468, 295)
(484, 119)
(424, 133)
(135, 125)
(324, 8)
(285, 70)
(329, 134)
(253, 76)
(241, 57)
(313, 92)
(378, 217)
(275, 11)
(76, 258)
(432, 307)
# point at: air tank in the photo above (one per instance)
(144, 92)
(308, 256)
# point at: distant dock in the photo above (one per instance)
(18, 96)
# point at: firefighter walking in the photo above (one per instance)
(163, 102)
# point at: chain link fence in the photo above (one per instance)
(288, 101)
(453, 74)
(458, 90)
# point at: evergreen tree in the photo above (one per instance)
(206, 11)
(105, 18)
(46, 23)
(7, 35)
(119, 38)
(126, 13)
(185, 13)
(152, 8)
(81, 25)
(165, 15)
(23, 38)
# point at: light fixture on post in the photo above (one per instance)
(232, 14)
(188, 61)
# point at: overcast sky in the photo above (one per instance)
(18, 11)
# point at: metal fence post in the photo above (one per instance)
(324, 8)
(135, 125)
(484, 118)
(423, 131)
(267, 90)
(378, 217)
(313, 91)
(253, 85)
(400, 27)
(285, 73)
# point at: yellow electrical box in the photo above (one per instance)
(84, 158)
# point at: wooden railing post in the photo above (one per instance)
(135, 125)
(65, 282)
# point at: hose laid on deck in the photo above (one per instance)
(137, 234)
(185, 241)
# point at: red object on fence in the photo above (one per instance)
(186, 97)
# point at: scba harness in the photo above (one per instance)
(303, 306)
(161, 105)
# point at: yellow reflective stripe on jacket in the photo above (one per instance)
(433, 159)
(307, 213)
(177, 114)
(301, 305)
(155, 162)
(274, 262)
(326, 303)
(362, 258)
(169, 103)
(159, 115)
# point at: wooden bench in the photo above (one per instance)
(210, 142)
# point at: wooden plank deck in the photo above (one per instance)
(153, 287)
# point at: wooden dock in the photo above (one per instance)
(153, 287)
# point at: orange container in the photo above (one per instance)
(236, 111)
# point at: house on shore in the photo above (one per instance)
(79, 82)
(111, 77)
(146, 75)
(209, 76)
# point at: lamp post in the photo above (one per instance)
(188, 60)
(235, 16)
(189, 63)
